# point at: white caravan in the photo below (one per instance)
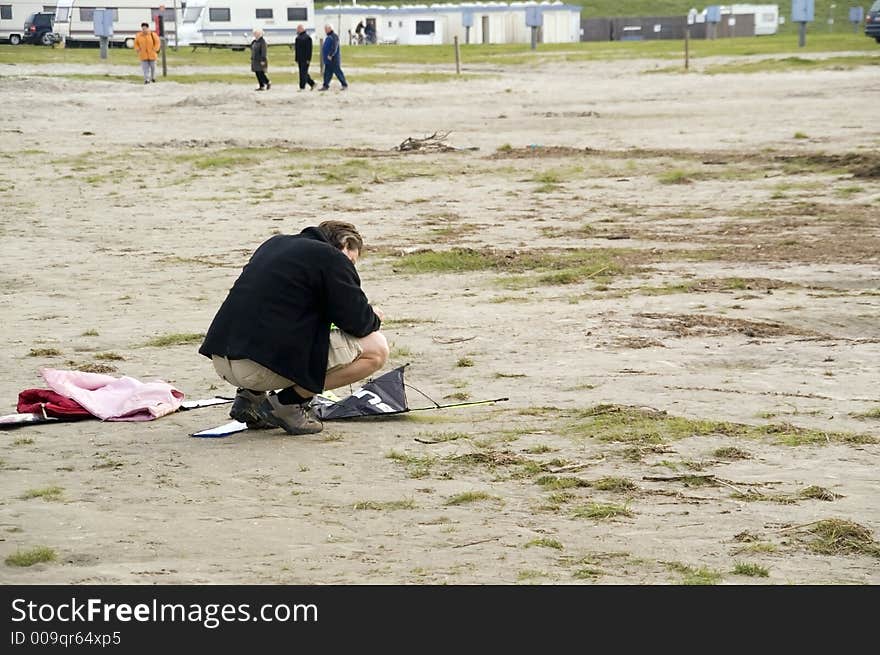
(14, 14)
(230, 23)
(74, 19)
(766, 17)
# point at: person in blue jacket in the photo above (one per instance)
(330, 51)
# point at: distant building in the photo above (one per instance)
(734, 21)
(491, 22)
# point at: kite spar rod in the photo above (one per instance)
(476, 402)
(439, 406)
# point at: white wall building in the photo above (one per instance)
(766, 16)
(491, 22)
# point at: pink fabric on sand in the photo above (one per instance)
(115, 399)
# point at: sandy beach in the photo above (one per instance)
(673, 278)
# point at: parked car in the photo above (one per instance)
(872, 22)
(39, 28)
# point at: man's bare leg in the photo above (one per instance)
(372, 359)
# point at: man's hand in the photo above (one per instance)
(379, 313)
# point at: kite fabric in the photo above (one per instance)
(384, 395)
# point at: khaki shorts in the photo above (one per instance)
(247, 374)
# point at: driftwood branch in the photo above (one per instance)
(575, 467)
(434, 143)
(452, 340)
(474, 543)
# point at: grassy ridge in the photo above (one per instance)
(281, 58)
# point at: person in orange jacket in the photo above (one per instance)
(147, 46)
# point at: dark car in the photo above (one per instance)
(872, 22)
(40, 28)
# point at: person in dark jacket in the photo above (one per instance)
(273, 331)
(330, 52)
(260, 60)
(302, 49)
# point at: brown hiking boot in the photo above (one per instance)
(293, 419)
(244, 409)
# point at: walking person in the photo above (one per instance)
(302, 49)
(260, 60)
(275, 328)
(332, 55)
(147, 46)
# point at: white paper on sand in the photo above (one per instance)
(222, 430)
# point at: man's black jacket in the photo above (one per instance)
(302, 48)
(278, 312)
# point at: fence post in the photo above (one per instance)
(457, 57)
(687, 44)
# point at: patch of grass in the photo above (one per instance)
(90, 367)
(504, 147)
(540, 450)
(228, 158)
(417, 466)
(794, 63)
(46, 493)
(36, 555)
(756, 496)
(800, 135)
(600, 511)
(354, 189)
(731, 452)
(870, 414)
(791, 435)
(551, 482)
(613, 484)
(400, 352)
(759, 547)
(461, 396)
(558, 499)
(23, 441)
(386, 506)
(465, 362)
(846, 192)
(109, 356)
(698, 576)
(819, 493)
(842, 537)
(457, 260)
(675, 176)
(175, 339)
(469, 497)
(587, 574)
(645, 426)
(530, 574)
(544, 543)
(641, 426)
(90, 333)
(751, 570)
(44, 352)
(552, 266)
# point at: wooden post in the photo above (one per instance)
(687, 43)
(457, 57)
(321, 54)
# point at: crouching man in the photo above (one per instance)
(273, 331)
